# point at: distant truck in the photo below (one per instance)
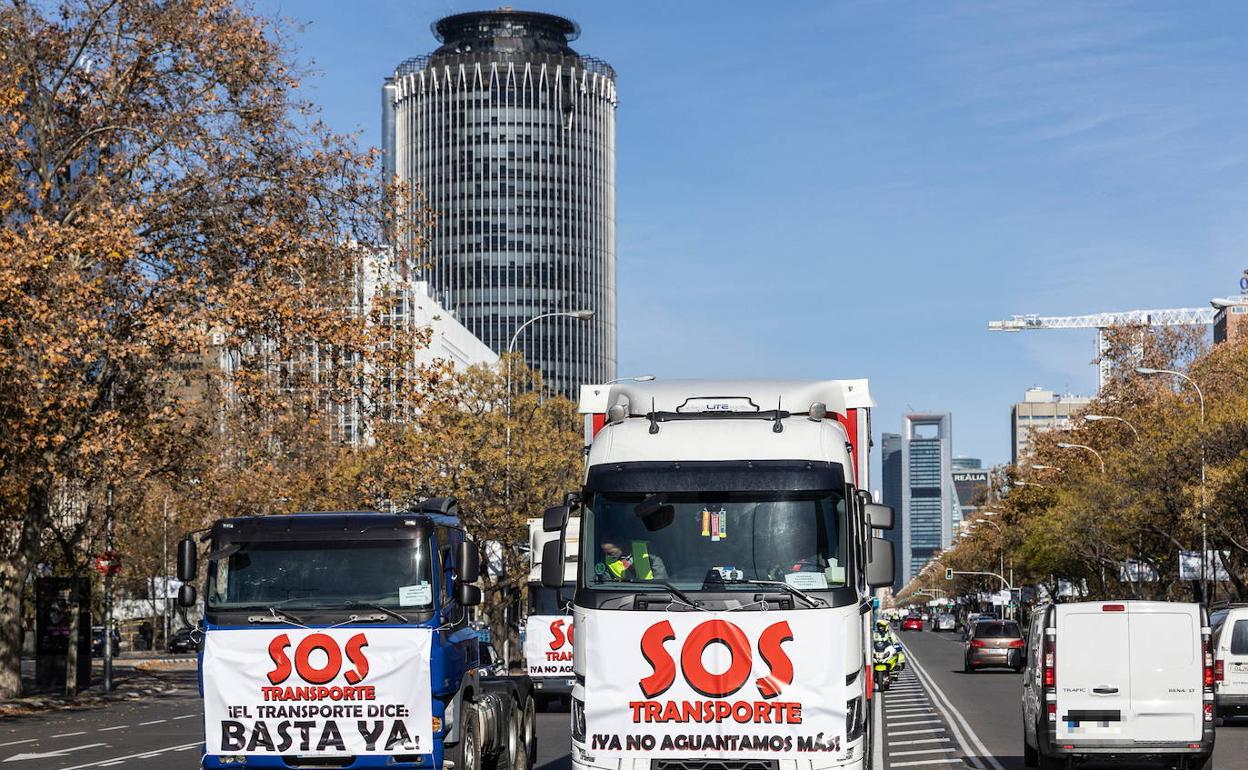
(728, 559)
(548, 637)
(343, 640)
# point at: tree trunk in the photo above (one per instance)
(21, 548)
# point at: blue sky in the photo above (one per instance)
(853, 189)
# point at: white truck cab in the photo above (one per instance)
(1118, 680)
(723, 597)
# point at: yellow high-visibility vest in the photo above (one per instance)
(639, 563)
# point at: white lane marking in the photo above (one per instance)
(905, 713)
(110, 764)
(106, 729)
(115, 760)
(14, 743)
(947, 708)
(904, 709)
(153, 722)
(917, 732)
(942, 761)
(877, 735)
(51, 754)
(912, 752)
(915, 722)
(185, 748)
(920, 740)
(68, 735)
(186, 716)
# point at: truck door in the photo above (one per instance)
(1093, 673)
(1166, 671)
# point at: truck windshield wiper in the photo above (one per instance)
(813, 601)
(379, 607)
(679, 594)
(276, 616)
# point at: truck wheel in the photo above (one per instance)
(529, 729)
(467, 754)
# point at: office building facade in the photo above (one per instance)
(1040, 411)
(929, 500)
(508, 135)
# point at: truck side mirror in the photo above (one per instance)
(555, 518)
(552, 564)
(188, 560)
(469, 561)
(880, 564)
(186, 595)
(879, 516)
(466, 594)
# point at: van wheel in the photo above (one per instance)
(1031, 757)
(1050, 763)
(1199, 763)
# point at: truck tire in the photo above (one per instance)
(467, 753)
(1051, 763)
(529, 729)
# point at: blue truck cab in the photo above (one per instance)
(344, 640)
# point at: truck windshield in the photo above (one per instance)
(326, 574)
(703, 541)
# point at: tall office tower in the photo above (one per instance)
(1038, 412)
(890, 455)
(509, 136)
(929, 502)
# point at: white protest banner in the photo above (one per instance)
(548, 646)
(340, 690)
(716, 685)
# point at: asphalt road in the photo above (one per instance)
(936, 717)
(165, 732)
(978, 717)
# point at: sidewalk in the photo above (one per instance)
(134, 677)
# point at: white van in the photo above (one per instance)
(1125, 680)
(1230, 660)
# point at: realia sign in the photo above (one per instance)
(729, 685)
(548, 641)
(317, 691)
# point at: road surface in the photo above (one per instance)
(936, 718)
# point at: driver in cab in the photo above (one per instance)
(630, 560)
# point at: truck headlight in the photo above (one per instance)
(578, 720)
(854, 722)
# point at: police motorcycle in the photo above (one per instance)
(887, 658)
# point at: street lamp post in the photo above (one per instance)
(1000, 532)
(1204, 528)
(580, 315)
(1098, 417)
(1064, 445)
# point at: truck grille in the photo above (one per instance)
(715, 764)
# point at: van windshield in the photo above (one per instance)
(706, 540)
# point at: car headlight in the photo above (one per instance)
(578, 720)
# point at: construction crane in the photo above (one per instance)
(1179, 316)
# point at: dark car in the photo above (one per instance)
(97, 641)
(183, 640)
(994, 643)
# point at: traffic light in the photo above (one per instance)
(948, 573)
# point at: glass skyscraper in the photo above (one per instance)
(929, 499)
(509, 136)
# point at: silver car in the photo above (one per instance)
(945, 622)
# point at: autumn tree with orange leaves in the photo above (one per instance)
(176, 260)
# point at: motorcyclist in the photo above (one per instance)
(884, 633)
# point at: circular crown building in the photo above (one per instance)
(509, 136)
